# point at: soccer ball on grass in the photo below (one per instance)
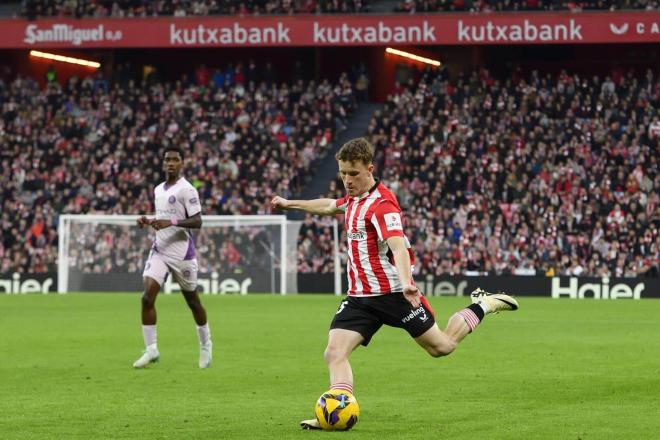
(337, 410)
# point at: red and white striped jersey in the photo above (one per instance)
(369, 220)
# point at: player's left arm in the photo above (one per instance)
(193, 222)
(389, 226)
(401, 256)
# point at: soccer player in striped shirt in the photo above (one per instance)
(381, 289)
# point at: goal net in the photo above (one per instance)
(236, 254)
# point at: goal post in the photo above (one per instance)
(236, 254)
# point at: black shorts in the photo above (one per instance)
(366, 314)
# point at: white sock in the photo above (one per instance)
(149, 335)
(204, 333)
(484, 307)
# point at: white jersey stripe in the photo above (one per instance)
(388, 268)
(374, 286)
(350, 215)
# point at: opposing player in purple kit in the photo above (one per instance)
(178, 211)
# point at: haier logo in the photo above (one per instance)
(214, 286)
(602, 290)
(29, 285)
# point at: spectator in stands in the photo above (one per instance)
(555, 175)
(82, 147)
(32, 9)
(422, 6)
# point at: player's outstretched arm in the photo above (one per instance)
(316, 206)
(194, 222)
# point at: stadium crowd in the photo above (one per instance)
(486, 6)
(94, 146)
(184, 8)
(534, 174)
(538, 174)
(103, 248)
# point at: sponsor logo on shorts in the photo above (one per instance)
(172, 199)
(186, 273)
(148, 266)
(419, 312)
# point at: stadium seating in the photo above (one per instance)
(424, 6)
(92, 146)
(143, 8)
(540, 173)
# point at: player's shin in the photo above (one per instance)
(464, 322)
(205, 345)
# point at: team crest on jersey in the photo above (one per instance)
(393, 221)
(172, 199)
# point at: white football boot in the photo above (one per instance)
(149, 356)
(205, 355)
(310, 424)
(495, 302)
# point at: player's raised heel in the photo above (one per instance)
(146, 359)
(205, 355)
(310, 424)
(496, 302)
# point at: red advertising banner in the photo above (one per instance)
(336, 30)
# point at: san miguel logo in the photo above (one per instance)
(66, 33)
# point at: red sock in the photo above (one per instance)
(472, 314)
(342, 386)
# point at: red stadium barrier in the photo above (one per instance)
(336, 30)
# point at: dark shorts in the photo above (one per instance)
(366, 315)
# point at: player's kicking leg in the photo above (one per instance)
(341, 343)
(150, 354)
(441, 343)
(203, 330)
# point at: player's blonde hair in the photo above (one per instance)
(356, 150)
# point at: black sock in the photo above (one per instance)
(476, 308)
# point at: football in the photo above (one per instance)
(337, 410)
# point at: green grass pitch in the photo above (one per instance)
(556, 369)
